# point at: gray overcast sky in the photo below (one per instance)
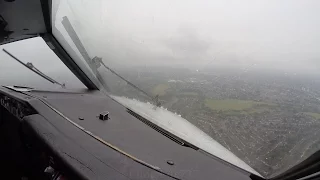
(269, 34)
(281, 34)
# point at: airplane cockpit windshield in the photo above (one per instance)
(241, 76)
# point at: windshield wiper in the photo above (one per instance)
(96, 62)
(30, 66)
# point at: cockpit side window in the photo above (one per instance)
(36, 53)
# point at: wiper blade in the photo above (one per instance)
(97, 61)
(30, 66)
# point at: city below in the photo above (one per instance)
(269, 120)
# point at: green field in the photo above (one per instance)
(160, 89)
(314, 115)
(238, 105)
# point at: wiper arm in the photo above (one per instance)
(30, 66)
(97, 61)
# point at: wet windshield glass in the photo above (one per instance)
(244, 72)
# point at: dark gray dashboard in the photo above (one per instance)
(132, 150)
